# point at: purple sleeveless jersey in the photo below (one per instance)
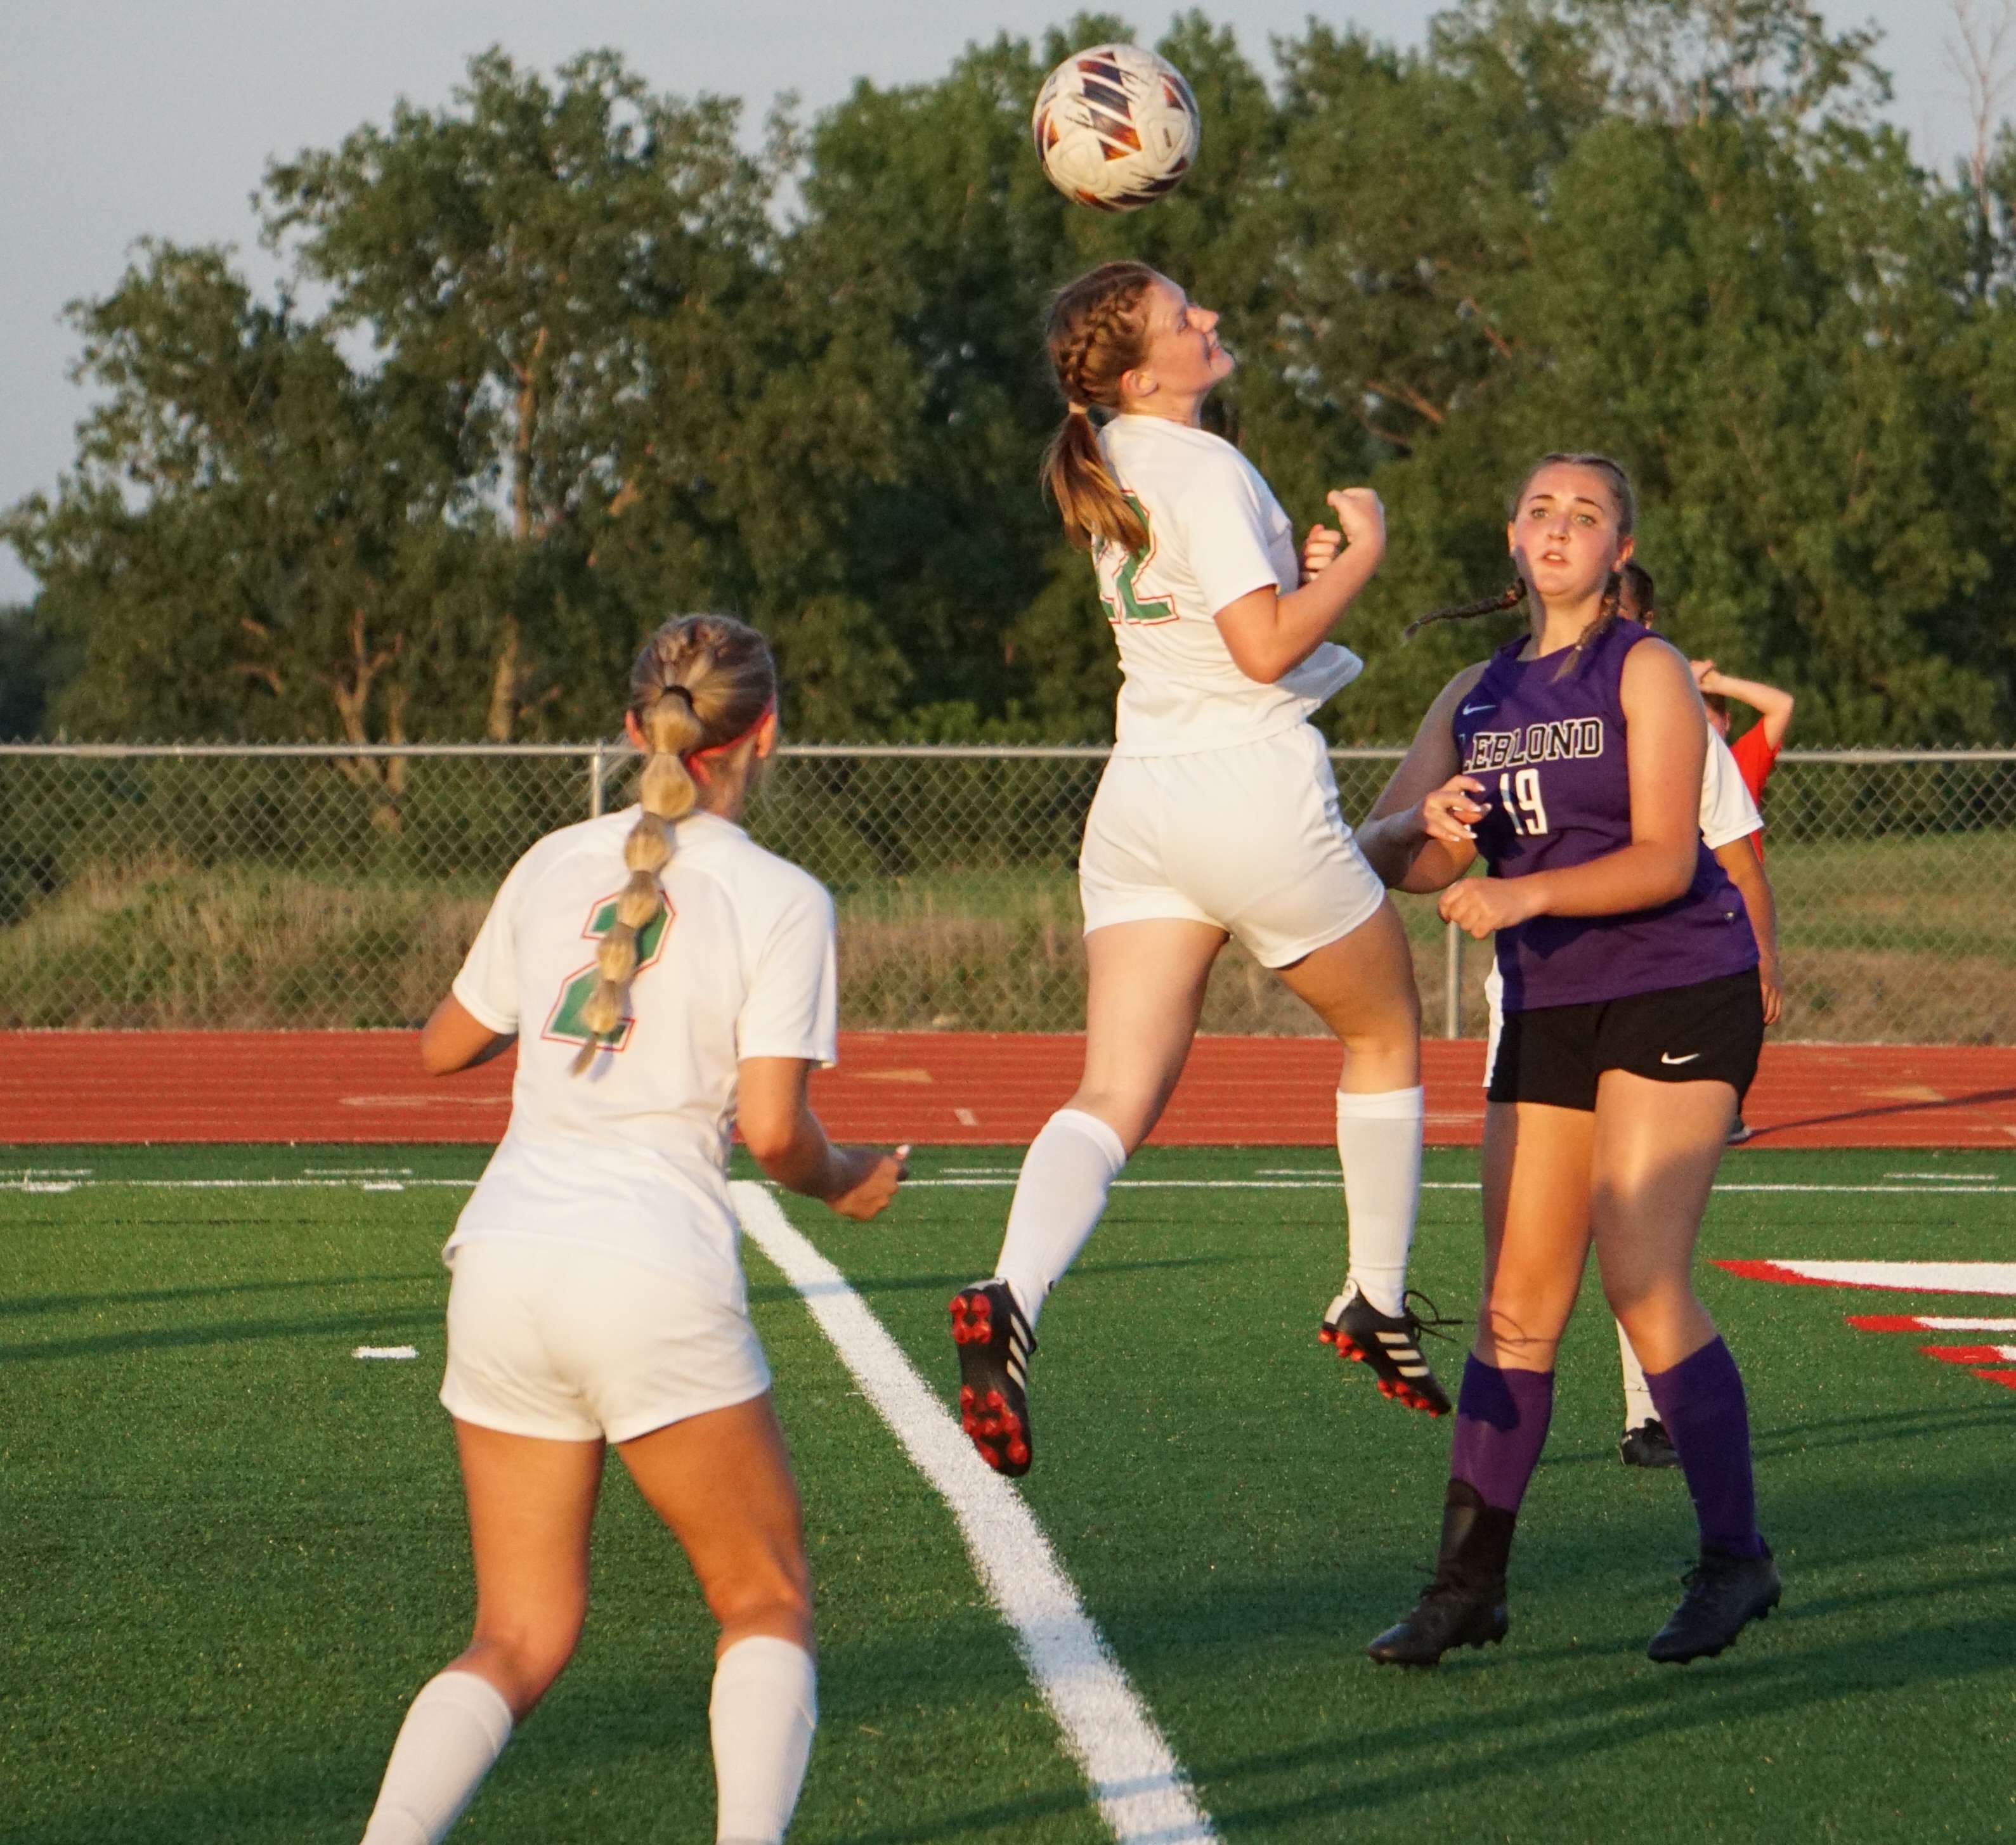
(1551, 754)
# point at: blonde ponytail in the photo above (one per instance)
(701, 684)
(1096, 333)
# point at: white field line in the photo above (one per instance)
(1141, 1789)
(11, 1184)
(1256, 1184)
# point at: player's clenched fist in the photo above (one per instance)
(1483, 906)
(870, 1177)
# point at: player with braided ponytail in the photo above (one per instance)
(598, 1298)
(665, 792)
(1217, 816)
(1572, 762)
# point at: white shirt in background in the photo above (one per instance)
(1215, 533)
(631, 1156)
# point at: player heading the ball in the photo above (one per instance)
(1217, 816)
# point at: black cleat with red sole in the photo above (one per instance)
(995, 1346)
(1391, 1344)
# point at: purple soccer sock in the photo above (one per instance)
(1701, 1401)
(1501, 1426)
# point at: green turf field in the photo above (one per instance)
(229, 1551)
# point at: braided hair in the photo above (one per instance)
(1095, 333)
(699, 683)
(1626, 500)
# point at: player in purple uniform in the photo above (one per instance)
(1570, 760)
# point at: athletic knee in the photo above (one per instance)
(770, 1592)
(1524, 1333)
(523, 1658)
(1130, 1116)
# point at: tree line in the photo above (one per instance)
(569, 355)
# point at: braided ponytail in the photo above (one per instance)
(701, 684)
(1096, 333)
(1509, 598)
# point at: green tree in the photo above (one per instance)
(515, 259)
(255, 541)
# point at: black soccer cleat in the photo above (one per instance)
(1390, 1344)
(1464, 1606)
(1725, 1594)
(1648, 1445)
(1448, 1615)
(995, 1347)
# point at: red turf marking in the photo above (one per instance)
(1887, 1322)
(977, 1089)
(1774, 1271)
(1962, 1354)
(2005, 1379)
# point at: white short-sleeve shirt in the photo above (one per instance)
(1727, 812)
(631, 1156)
(1215, 533)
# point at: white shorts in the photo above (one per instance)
(548, 1339)
(1248, 838)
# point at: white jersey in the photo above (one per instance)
(1215, 533)
(631, 1156)
(1727, 812)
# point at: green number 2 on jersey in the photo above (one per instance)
(1123, 602)
(566, 1025)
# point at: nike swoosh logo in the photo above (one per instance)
(1667, 1057)
(1468, 710)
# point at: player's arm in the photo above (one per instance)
(784, 1138)
(1666, 732)
(1773, 704)
(1268, 634)
(1746, 871)
(454, 1038)
(1417, 835)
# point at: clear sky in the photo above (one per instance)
(120, 118)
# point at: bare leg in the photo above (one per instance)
(1144, 988)
(1536, 1230)
(1362, 986)
(531, 1504)
(722, 1482)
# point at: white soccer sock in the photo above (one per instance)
(765, 1708)
(1379, 1144)
(1638, 1409)
(1068, 1170)
(455, 1730)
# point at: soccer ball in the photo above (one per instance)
(1116, 127)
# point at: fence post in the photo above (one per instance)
(1453, 982)
(595, 783)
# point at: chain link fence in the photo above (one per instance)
(291, 886)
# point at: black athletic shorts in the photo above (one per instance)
(1709, 1032)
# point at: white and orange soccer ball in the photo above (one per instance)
(1116, 127)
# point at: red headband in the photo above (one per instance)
(692, 758)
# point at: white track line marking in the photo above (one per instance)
(1141, 1789)
(1257, 1185)
(8, 1184)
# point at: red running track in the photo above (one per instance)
(933, 1088)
